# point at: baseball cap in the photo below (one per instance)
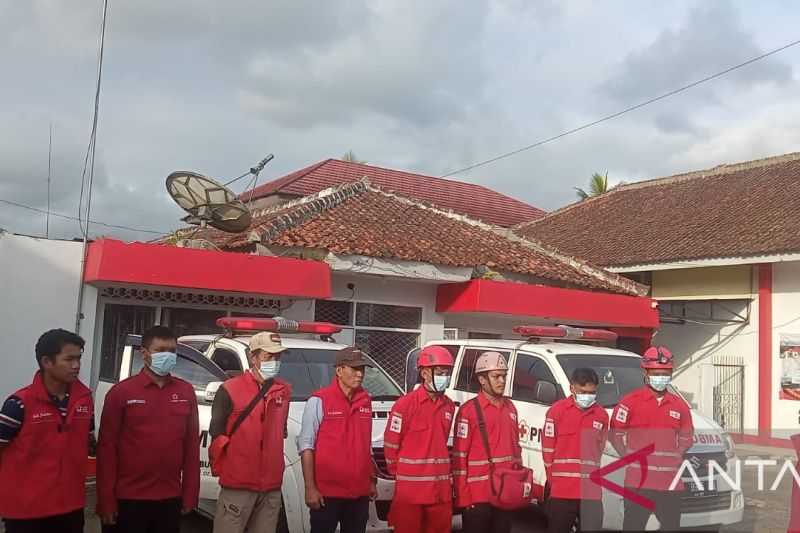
(267, 341)
(352, 357)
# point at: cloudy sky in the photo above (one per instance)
(429, 86)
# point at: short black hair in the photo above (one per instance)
(157, 332)
(584, 376)
(52, 342)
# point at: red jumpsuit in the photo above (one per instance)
(415, 443)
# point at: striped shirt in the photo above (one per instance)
(12, 415)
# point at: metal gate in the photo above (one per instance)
(729, 395)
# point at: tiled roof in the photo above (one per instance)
(738, 210)
(361, 219)
(476, 201)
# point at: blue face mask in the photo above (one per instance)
(584, 401)
(659, 383)
(162, 363)
(269, 369)
(440, 383)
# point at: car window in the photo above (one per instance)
(618, 375)
(310, 369)
(227, 360)
(200, 346)
(185, 369)
(466, 380)
(529, 371)
(412, 374)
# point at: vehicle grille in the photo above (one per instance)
(705, 502)
(379, 457)
(700, 461)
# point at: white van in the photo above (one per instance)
(538, 377)
(207, 360)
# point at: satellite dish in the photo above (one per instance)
(208, 202)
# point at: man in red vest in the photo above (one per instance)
(148, 450)
(415, 441)
(335, 444)
(43, 442)
(653, 415)
(252, 471)
(470, 460)
(575, 431)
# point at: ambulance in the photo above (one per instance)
(206, 361)
(539, 370)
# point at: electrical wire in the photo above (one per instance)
(95, 222)
(622, 112)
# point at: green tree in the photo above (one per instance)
(597, 186)
(351, 157)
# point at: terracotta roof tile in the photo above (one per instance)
(360, 219)
(476, 201)
(738, 210)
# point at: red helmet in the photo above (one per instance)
(435, 356)
(657, 357)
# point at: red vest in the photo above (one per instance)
(343, 465)
(43, 470)
(254, 458)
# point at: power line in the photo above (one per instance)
(626, 110)
(96, 222)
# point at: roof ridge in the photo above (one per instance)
(718, 170)
(584, 267)
(304, 209)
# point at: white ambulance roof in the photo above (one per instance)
(554, 348)
(289, 342)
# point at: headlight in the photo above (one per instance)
(730, 450)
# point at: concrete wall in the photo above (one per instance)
(39, 287)
(785, 319)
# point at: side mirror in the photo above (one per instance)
(546, 392)
(211, 390)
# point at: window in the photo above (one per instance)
(186, 369)
(228, 361)
(466, 373)
(386, 332)
(529, 371)
(118, 322)
(307, 370)
(184, 321)
(200, 346)
(618, 375)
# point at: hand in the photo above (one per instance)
(185, 511)
(314, 499)
(108, 519)
(373, 491)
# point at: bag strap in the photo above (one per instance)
(249, 409)
(485, 439)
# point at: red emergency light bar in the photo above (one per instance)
(277, 324)
(565, 332)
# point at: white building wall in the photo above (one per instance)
(698, 346)
(785, 319)
(39, 287)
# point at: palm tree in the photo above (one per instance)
(597, 186)
(350, 156)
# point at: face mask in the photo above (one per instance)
(162, 363)
(269, 369)
(584, 401)
(440, 383)
(659, 383)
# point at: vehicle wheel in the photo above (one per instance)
(283, 524)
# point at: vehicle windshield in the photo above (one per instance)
(619, 375)
(309, 369)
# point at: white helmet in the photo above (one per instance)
(489, 361)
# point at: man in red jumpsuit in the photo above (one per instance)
(575, 431)
(471, 465)
(415, 443)
(647, 416)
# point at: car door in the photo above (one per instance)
(197, 369)
(533, 390)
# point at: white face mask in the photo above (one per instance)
(584, 401)
(269, 369)
(440, 383)
(659, 383)
(162, 363)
